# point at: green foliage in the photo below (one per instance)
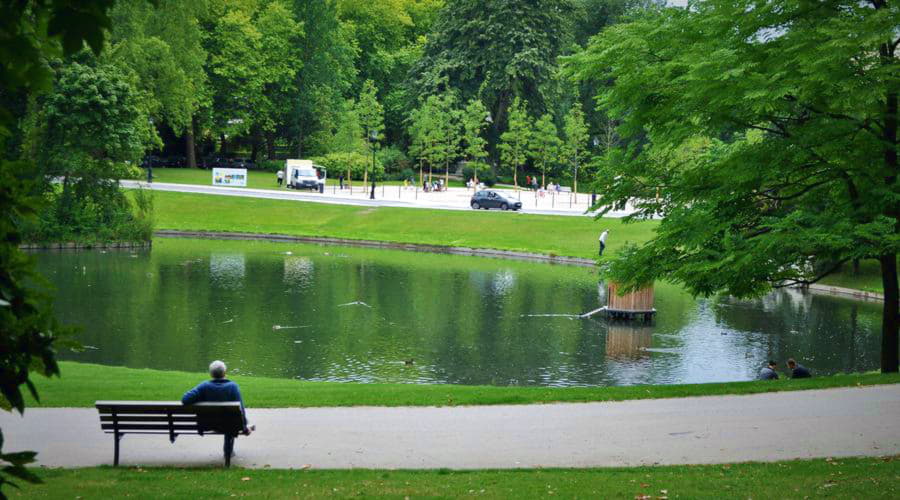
(574, 147)
(515, 142)
(767, 144)
(545, 145)
(370, 112)
(393, 159)
(30, 34)
(162, 46)
(88, 133)
(357, 164)
(493, 51)
(328, 73)
(474, 120)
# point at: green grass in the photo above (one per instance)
(82, 384)
(545, 234)
(823, 478)
(868, 278)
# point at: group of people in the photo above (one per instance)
(437, 185)
(795, 369)
(532, 182)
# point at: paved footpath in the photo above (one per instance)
(393, 196)
(763, 427)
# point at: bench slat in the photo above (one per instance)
(175, 408)
(149, 427)
(148, 418)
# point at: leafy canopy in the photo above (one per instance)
(763, 133)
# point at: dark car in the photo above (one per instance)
(491, 199)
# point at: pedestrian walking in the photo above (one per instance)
(279, 177)
(602, 240)
(341, 181)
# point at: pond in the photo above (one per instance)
(352, 314)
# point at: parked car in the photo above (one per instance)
(488, 199)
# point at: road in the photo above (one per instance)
(393, 196)
(762, 427)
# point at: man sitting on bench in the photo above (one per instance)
(219, 389)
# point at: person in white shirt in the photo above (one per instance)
(602, 240)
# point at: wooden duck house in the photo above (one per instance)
(632, 305)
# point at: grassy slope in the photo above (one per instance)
(869, 277)
(843, 478)
(571, 236)
(557, 235)
(82, 384)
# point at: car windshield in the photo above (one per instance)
(308, 173)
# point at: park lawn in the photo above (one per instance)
(868, 279)
(821, 478)
(82, 384)
(544, 234)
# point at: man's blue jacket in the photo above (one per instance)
(215, 390)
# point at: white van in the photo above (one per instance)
(303, 174)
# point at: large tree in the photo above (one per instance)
(30, 32)
(769, 131)
(162, 45)
(495, 50)
(325, 80)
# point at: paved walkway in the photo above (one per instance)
(395, 196)
(763, 427)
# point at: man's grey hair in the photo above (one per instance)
(217, 369)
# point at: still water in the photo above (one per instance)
(350, 314)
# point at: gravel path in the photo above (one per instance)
(763, 427)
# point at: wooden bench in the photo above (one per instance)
(169, 418)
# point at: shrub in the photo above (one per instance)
(338, 163)
(393, 159)
(271, 165)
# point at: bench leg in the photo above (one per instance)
(228, 449)
(116, 437)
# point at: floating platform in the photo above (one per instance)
(637, 305)
(622, 314)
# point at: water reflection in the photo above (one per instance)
(328, 313)
(628, 340)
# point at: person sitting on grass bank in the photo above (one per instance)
(768, 372)
(797, 370)
(219, 389)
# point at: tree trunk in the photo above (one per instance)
(270, 145)
(255, 143)
(222, 144)
(890, 319)
(300, 140)
(190, 149)
(516, 176)
(575, 184)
